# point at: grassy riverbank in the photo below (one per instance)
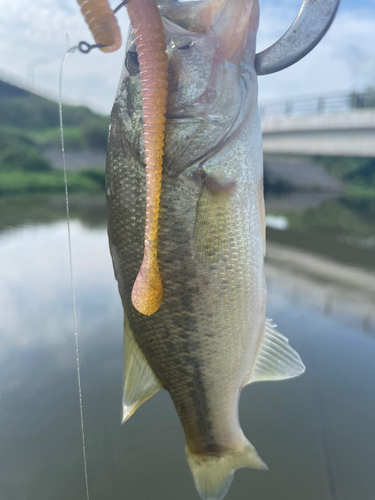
(348, 212)
(19, 182)
(29, 125)
(357, 174)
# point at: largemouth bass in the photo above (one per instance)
(210, 337)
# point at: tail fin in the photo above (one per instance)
(213, 475)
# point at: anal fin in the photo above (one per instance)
(140, 382)
(276, 360)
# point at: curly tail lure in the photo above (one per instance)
(102, 23)
(147, 294)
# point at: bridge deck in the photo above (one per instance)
(340, 134)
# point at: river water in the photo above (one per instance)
(316, 433)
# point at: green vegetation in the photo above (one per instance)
(365, 99)
(276, 186)
(17, 182)
(350, 170)
(336, 216)
(29, 124)
(358, 177)
(350, 216)
(32, 112)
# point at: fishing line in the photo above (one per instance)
(70, 51)
(327, 455)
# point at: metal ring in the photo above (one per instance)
(86, 48)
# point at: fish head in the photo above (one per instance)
(212, 83)
(227, 21)
(210, 46)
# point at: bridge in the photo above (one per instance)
(336, 124)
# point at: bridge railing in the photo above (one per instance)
(335, 102)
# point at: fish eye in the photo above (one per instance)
(131, 62)
(131, 58)
(187, 46)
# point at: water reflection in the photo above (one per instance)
(297, 200)
(316, 433)
(16, 211)
(343, 292)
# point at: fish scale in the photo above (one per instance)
(209, 338)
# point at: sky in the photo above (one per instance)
(33, 42)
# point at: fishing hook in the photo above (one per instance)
(86, 48)
(311, 24)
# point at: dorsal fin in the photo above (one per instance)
(276, 360)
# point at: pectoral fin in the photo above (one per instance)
(276, 360)
(213, 218)
(140, 382)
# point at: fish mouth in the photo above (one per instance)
(229, 20)
(211, 84)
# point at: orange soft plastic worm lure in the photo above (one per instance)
(147, 294)
(102, 23)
